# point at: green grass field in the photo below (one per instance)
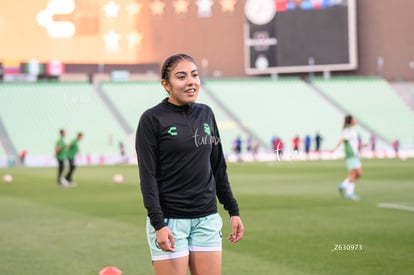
(295, 221)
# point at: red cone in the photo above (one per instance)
(110, 270)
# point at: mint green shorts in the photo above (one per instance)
(353, 163)
(200, 234)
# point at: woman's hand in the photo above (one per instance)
(165, 239)
(237, 229)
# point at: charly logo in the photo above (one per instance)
(173, 131)
(207, 129)
(57, 29)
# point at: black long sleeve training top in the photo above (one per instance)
(181, 163)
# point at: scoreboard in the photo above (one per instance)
(291, 36)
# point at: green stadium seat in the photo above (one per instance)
(373, 102)
(33, 114)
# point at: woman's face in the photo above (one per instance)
(183, 84)
(353, 122)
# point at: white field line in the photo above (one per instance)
(398, 206)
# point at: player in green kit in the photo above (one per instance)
(351, 148)
(73, 149)
(61, 155)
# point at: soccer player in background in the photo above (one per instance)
(295, 143)
(318, 141)
(182, 169)
(61, 155)
(73, 149)
(307, 143)
(351, 148)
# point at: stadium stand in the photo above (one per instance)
(131, 99)
(2, 152)
(8, 152)
(406, 92)
(374, 103)
(33, 114)
(285, 107)
(260, 108)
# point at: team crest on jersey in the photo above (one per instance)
(207, 129)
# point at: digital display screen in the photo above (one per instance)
(300, 36)
(74, 31)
